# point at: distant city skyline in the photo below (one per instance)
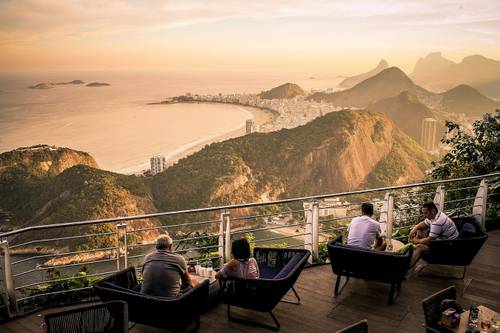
(343, 37)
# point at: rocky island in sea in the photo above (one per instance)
(97, 84)
(49, 85)
(41, 86)
(70, 82)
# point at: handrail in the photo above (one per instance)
(237, 206)
(314, 228)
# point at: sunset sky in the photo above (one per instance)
(339, 36)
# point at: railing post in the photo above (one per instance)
(227, 239)
(225, 236)
(221, 237)
(386, 218)
(308, 228)
(118, 247)
(480, 202)
(439, 197)
(315, 230)
(123, 228)
(12, 308)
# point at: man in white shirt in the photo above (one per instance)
(437, 225)
(364, 232)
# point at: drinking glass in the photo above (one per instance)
(496, 322)
(485, 324)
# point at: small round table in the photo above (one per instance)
(396, 245)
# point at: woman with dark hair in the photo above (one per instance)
(242, 265)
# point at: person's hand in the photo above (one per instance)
(412, 234)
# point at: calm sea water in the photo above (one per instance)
(115, 124)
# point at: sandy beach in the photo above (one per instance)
(259, 116)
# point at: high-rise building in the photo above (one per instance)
(428, 134)
(249, 126)
(158, 164)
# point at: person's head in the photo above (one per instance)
(240, 249)
(367, 209)
(429, 209)
(164, 243)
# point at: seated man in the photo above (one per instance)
(163, 270)
(365, 231)
(435, 226)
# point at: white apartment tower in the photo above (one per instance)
(428, 134)
(158, 164)
(249, 126)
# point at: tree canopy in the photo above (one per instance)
(471, 153)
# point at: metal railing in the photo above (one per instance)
(50, 261)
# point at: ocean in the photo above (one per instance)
(116, 125)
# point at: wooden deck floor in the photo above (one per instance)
(320, 312)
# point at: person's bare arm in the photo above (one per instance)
(189, 279)
(423, 241)
(230, 265)
(420, 226)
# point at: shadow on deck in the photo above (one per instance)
(320, 312)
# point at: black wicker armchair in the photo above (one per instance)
(111, 317)
(432, 309)
(359, 327)
(372, 265)
(280, 268)
(170, 314)
(459, 251)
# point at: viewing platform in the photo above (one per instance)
(34, 281)
(319, 311)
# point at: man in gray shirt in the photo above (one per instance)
(364, 231)
(163, 270)
(437, 225)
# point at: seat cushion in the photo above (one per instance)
(467, 230)
(267, 272)
(292, 263)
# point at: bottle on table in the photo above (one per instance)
(210, 269)
(473, 315)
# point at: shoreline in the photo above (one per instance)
(265, 109)
(260, 116)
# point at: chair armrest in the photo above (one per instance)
(69, 320)
(430, 328)
(125, 278)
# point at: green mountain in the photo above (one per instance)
(42, 161)
(351, 81)
(338, 152)
(388, 83)
(45, 185)
(285, 91)
(406, 111)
